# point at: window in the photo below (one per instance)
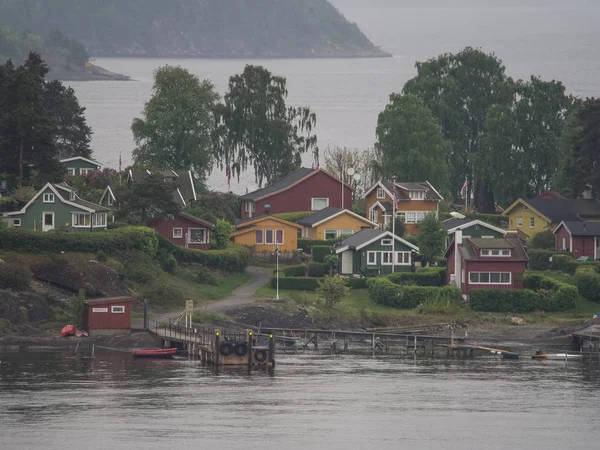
(410, 217)
(177, 233)
(519, 221)
(417, 195)
(250, 206)
(84, 171)
(279, 236)
(48, 198)
(71, 196)
(169, 217)
(117, 309)
(401, 216)
(81, 219)
(346, 232)
(373, 215)
(386, 242)
(495, 252)
(330, 234)
(16, 222)
(505, 252)
(564, 246)
(380, 193)
(532, 222)
(371, 258)
(489, 277)
(99, 220)
(403, 258)
(485, 253)
(268, 237)
(259, 237)
(387, 258)
(197, 235)
(319, 203)
(110, 201)
(71, 171)
(420, 216)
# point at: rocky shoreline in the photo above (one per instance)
(92, 73)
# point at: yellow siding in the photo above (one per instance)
(526, 213)
(290, 237)
(343, 222)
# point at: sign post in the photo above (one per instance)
(189, 311)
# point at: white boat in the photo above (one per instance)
(556, 356)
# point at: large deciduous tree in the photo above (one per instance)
(409, 143)
(460, 89)
(177, 125)
(431, 238)
(256, 128)
(338, 161)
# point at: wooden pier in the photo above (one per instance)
(219, 347)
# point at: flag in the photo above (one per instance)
(463, 189)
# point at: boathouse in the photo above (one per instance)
(110, 315)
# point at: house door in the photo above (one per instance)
(347, 263)
(47, 221)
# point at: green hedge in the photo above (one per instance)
(357, 283)
(424, 277)
(295, 283)
(317, 270)
(384, 292)
(563, 295)
(307, 244)
(540, 260)
(293, 271)
(504, 300)
(294, 216)
(110, 242)
(319, 252)
(233, 259)
(588, 283)
(564, 262)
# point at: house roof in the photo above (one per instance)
(562, 209)
(471, 246)
(430, 192)
(366, 237)
(329, 213)
(245, 224)
(183, 181)
(549, 195)
(448, 224)
(472, 223)
(196, 220)
(110, 300)
(580, 228)
(81, 158)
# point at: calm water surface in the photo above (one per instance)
(48, 400)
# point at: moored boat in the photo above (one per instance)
(556, 356)
(155, 353)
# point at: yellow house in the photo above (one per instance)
(265, 232)
(541, 214)
(331, 223)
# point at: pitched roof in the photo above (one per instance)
(448, 224)
(550, 195)
(476, 222)
(430, 191)
(581, 228)
(470, 249)
(284, 183)
(80, 158)
(565, 209)
(246, 223)
(196, 220)
(366, 237)
(329, 213)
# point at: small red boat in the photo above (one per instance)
(155, 353)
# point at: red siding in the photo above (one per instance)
(514, 267)
(298, 198)
(558, 239)
(450, 263)
(583, 246)
(165, 228)
(107, 320)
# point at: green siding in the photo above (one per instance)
(475, 231)
(360, 259)
(78, 165)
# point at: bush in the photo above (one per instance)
(222, 233)
(111, 242)
(162, 294)
(205, 276)
(543, 240)
(317, 270)
(169, 264)
(294, 271)
(564, 295)
(307, 244)
(384, 292)
(101, 256)
(504, 300)
(77, 308)
(14, 276)
(357, 283)
(588, 283)
(430, 276)
(296, 283)
(333, 290)
(564, 263)
(540, 260)
(319, 252)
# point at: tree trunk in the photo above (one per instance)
(21, 151)
(484, 197)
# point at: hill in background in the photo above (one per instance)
(195, 28)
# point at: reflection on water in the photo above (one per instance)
(51, 400)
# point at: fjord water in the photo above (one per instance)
(51, 401)
(554, 39)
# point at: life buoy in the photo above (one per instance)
(226, 348)
(260, 355)
(241, 348)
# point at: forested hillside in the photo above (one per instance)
(211, 28)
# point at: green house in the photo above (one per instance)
(78, 165)
(57, 206)
(471, 229)
(375, 252)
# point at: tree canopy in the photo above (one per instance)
(176, 129)
(431, 238)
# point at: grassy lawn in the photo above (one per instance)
(205, 292)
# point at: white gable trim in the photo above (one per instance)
(81, 158)
(342, 249)
(480, 223)
(53, 189)
(192, 183)
(181, 197)
(339, 213)
(562, 224)
(389, 235)
(434, 190)
(109, 190)
(377, 204)
(376, 185)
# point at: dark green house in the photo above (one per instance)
(375, 252)
(57, 206)
(78, 165)
(471, 229)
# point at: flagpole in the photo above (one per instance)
(466, 195)
(277, 271)
(394, 226)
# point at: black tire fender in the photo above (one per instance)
(241, 348)
(226, 348)
(260, 355)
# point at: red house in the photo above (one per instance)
(580, 238)
(184, 230)
(303, 190)
(485, 263)
(108, 315)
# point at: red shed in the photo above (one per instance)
(185, 230)
(485, 263)
(108, 315)
(302, 190)
(582, 238)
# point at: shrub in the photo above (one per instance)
(77, 308)
(162, 294)
(424, 277)
(503, 300)
(222, 233)
(205, 276)
(14, 276)
(307, 244)
(331, 261)
(564, 263)
(540, 260)
(384, 292)
(101, 256)
(332, 290)
(319, 252)
(169, 264)
(296, 283)
(543, 240)
(447, 301)
(588, 284)
(317, 270)
(294, 271)
(357, 283)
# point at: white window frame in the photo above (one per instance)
(250, 206)
(109, 200)
(330, 230)
(117, 309)
(417, 195)
(16, 222)
(369, 254)
(373, 215)
(99, 220)
(85, 170)
(262, 237)
(344, 232)
(505, 253)
(282, 237)
(205, 241)
(420, 216)
(387, 242)
(71, 171)
(410, 217)
(490, 253)
(519, 221)
(267, 236)
(489, 276)
(87, 218)
(48, 197)
(390, 258)
(380, 193)
(312, 203)
(564, 244)
(532, 222)
(401, 258)
(175, 236)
